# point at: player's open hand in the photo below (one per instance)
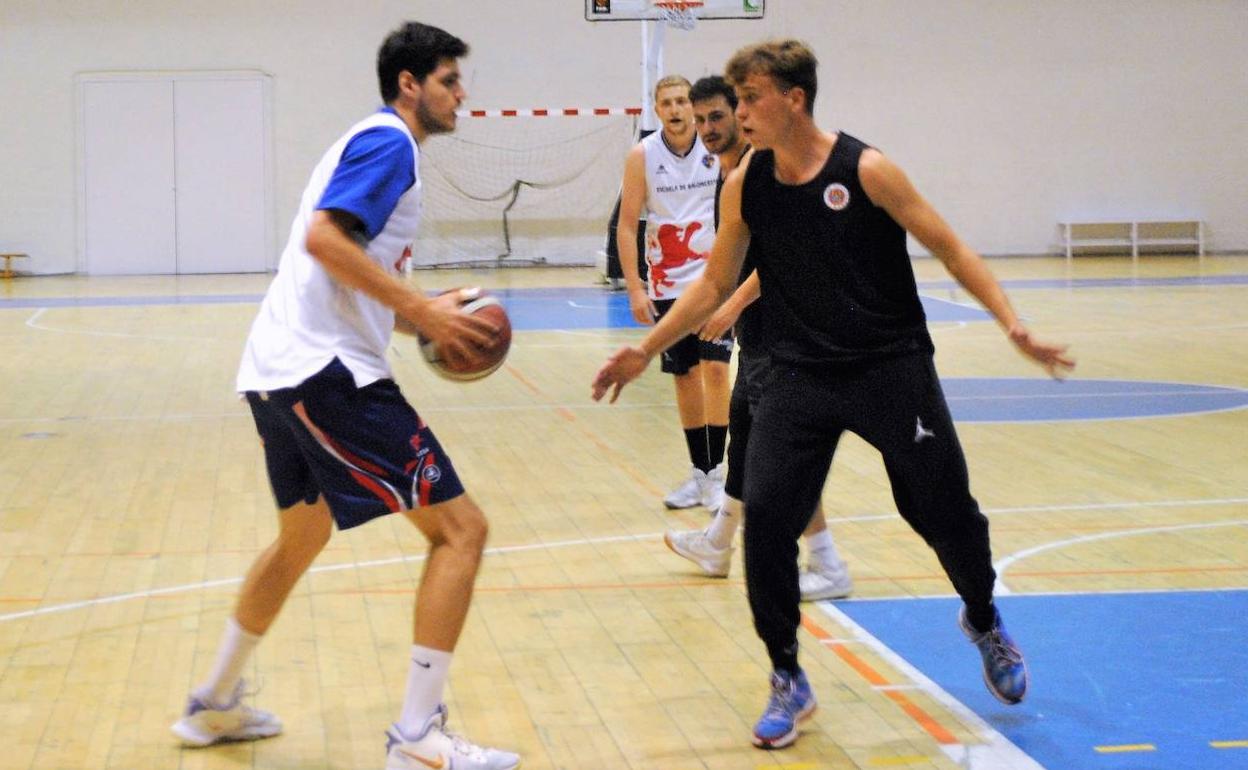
(642, 307)
(457, 335)
(719, 323)
(1051, 356)
(624, 366)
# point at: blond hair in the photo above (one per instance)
(669, 81)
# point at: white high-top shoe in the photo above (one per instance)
(689, 493)
(821, 582)
(712, 488)
(695, 546)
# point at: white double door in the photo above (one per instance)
(174, 174)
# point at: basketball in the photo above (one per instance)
(487, 359)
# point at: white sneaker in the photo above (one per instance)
(695, 546)
(441, 750)
(689, 493)
(206, 723)
(818, 583)
(711, 489)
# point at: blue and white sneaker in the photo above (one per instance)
(1005, 671)
(205, 723)
(791, 702)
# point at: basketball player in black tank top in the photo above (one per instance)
(825, 575)
(850, 351)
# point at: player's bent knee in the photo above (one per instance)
(459, 523)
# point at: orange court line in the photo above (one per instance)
(625, 466)
(912, 709)
(514, 372)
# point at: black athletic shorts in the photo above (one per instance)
(691, 351)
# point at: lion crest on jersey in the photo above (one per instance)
(673, 242)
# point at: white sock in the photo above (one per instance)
(822, 550)
(724, 527)
(426, 679)
(236, 646)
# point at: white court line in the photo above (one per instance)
(314, 570)
(996, 753)
(589, 541)
(1009, 561)
(32, 323)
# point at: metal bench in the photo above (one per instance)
(1133, 234)
(8, 262)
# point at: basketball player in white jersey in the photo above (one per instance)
(342, 445)
(672, 176)
(825, 575)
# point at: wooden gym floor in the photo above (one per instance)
(133, 497)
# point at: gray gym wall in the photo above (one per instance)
(1008, 114)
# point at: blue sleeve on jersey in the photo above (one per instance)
(375, 170)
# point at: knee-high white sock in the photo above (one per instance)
(236, 646)
(426, 679)
(724, 527)
(822, 550)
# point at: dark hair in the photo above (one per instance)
(416, 48)
(711, 86)
(790, 63)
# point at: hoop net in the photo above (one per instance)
(681, 14)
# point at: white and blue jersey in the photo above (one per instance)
(307, 318)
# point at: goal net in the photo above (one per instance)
(522, 189)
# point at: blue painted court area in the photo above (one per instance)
(572, 308)
(1040, 399)
(1166, 670)
(529, 309)
(1033, 399)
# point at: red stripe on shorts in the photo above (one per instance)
(394, 504)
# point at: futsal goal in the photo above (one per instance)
(522, 186)
(537, 185)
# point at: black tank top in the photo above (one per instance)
(837, 283)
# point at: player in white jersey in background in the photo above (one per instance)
(671, 175)
(825, 575)
(341, 443)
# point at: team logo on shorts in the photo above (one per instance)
(431, 473)
(836, 196)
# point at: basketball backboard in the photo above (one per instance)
(634, 10)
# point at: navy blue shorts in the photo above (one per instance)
(364, 449)
(690, 351)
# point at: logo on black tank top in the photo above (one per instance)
(836, 196)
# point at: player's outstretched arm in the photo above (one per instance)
(889, 188)
(696, 303)
(438, 319)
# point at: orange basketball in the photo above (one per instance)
(488, 358)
